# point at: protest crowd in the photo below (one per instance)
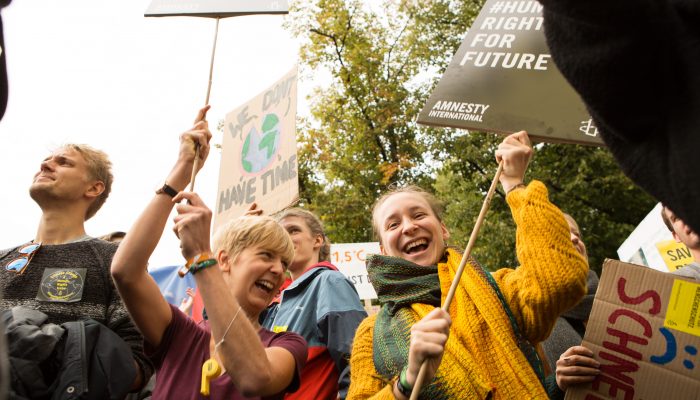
(83, 318)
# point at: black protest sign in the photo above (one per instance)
(503, 79)
(215, 8)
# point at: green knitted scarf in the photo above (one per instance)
(400, 283)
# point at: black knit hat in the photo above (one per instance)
(3, 65)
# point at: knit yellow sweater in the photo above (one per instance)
(551, 278)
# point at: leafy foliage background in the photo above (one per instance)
(384, 58)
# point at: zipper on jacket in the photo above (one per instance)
(83, 358)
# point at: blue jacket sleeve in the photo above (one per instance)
(337, 321)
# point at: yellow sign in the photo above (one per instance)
(682, 314)
(675, 254)
(280, 328)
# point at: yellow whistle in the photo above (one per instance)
(210, 370)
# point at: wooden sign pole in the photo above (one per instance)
(195, 166)
(458, 275)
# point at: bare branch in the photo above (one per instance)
(391, 48)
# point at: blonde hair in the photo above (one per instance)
(435, 204)
(251, 231)
(99, 168)
(315, 226)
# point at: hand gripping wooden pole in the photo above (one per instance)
(195, 166)
(458, 276)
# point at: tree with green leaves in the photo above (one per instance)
(383, 60)
(362, 134)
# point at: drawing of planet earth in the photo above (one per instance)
(259, 149)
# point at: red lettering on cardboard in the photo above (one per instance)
(623, 345)
(649, 294)
(615, 385)
(619, 367)
(634, 316)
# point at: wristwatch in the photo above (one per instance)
(167, 189)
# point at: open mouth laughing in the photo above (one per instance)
(265, 286)
(415, 246)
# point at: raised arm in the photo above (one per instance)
(140, 294)
(254, 369)
(552, 274)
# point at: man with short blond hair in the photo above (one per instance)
(64, 273)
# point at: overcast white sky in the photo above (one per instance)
(98, 72)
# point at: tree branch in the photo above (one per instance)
(348, 87)
(391, 48)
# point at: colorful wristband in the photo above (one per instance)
(402, 384)
(194, 268)
(191, 263)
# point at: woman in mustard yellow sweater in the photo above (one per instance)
(483, 348)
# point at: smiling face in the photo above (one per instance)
(253, 254)
(254, 277)
(409, 228)
(306, 244)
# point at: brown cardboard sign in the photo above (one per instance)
(259, 153)
(215, 8)
(503, 79)
(644, 330)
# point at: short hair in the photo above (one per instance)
(244, 232)
(315, 226)
(99, 168)
(435, 204)
(666, 220)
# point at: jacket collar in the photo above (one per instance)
(309, 275)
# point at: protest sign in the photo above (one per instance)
(259, 155)
(644, 330)
(675, 254)
(503, 79)
(350, 260)
(215, 8)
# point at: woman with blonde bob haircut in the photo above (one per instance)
(494, 319)
(241, 233)
(237, 281)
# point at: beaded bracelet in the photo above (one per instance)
(196, 267)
